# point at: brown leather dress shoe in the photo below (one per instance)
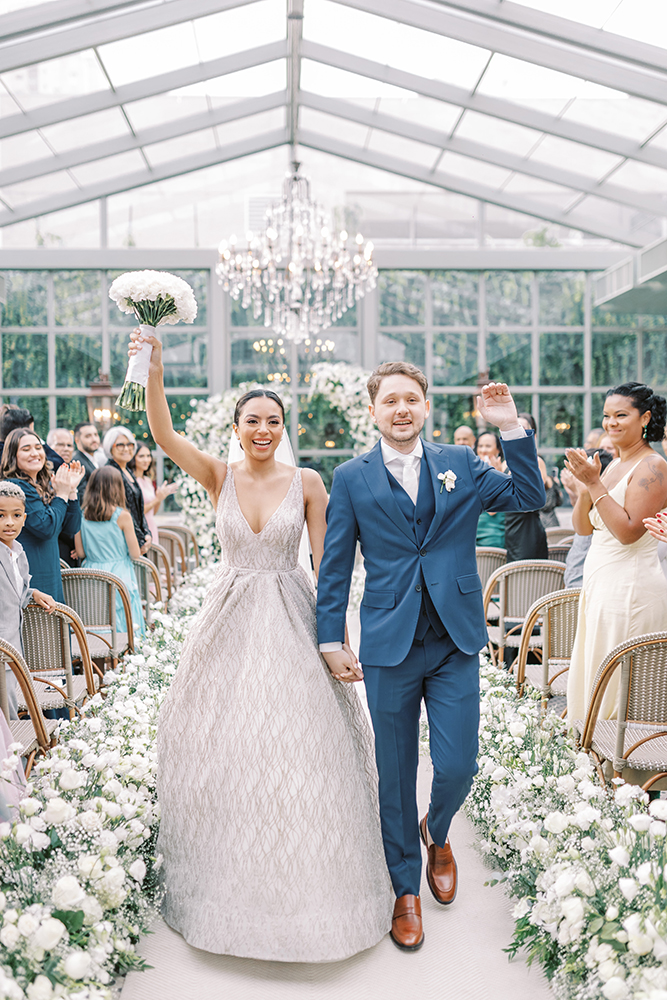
(406, 924)
(441, 870)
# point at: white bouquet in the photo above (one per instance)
(155, 297)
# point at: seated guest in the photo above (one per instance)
(88, 452)
(491, 525)
(15, 590)
(119, 446)
(15, 417)
(52, 506)
(62, 442)
(107, 540)
(142, 467)
(465, 435)
(624, 591)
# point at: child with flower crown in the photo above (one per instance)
(15, 590)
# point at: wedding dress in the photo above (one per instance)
(266, 773)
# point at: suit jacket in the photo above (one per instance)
(89, 466)
(363, 507)
(12, 601)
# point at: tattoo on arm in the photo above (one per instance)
(655, 475)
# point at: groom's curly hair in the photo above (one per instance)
(395, 368)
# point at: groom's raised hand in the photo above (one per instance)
(343, 665)
(497, 406)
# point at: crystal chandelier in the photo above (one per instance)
(298, 275)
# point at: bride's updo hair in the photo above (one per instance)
(253, 394)
(643, 399)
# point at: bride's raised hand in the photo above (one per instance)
(137, 340)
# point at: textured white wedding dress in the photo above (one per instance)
(267, 784)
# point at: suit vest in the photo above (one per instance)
(419, 517)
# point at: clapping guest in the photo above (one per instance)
(576, 556)
(62, 442)
(624, 591)
(491, 525)
(15, 417)
(52, 505)
(119, 446)
(144, 470)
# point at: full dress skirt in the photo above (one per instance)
(267, 783)
(624, 594)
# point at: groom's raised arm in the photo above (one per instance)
(523, 490)
(340, 543)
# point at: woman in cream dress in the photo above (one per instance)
(624, 591)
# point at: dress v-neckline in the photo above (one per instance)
(238, 504)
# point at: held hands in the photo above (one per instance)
(344, 666)
(136, 342)
(584, 471)
(44, 600)
(497, 406)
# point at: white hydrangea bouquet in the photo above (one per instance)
(155, 298)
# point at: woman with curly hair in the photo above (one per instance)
(51, 505)
(624, 591)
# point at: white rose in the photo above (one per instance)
(644, 873)
(113, 879)
(620, 856)
(538, 844)
(640, 944)
(565, 883)
(90, 821)
(640, 822)
(27, 924)
(572, 909)
(112, 809)
(49, 934)
(628, 887)
(57, 811)
(30, 806)
(612, 912)
(71, 779)
(11, 916)
(23, 833)
(138, 870)
(603, 953)
(67, 893)
(584, 883)
(88, 863)
(517, 729)
(77, 964)
(556, 822)
(40, 989)
(615, 989)
(565, 784)
(40, 841)
(498, 775)
(9, 936)
(658, 808)
(92, 910)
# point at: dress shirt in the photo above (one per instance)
(15, 566)
(405, 469)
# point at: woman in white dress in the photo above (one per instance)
(624, 591)
(266, 775)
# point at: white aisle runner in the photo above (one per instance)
(462, 957)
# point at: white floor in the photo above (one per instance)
(462, 957)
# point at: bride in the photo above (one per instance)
(266, 776)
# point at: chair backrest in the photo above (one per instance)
(559, 612)
(92, 595)
(489, 560)
(190, 542)
(641, 699)
(46, 644)
(558, 551)
(64, 565)
(554, 535)
(160, 558)
(9, 654)
(172, 543)
(521, 583)
(147, 577)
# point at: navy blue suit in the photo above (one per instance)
(422, 621)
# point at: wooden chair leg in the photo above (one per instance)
(651, 781)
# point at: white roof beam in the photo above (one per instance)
(14, 55)
(477, 151)
(521, 44)
(493, 106)
(459, 185)
(47, 16)
(87, 104)
(294, 38)
(173, 168)
(563, 30)
(159, 133)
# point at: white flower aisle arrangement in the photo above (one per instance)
(155, 298)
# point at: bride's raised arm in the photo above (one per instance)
(208, 471)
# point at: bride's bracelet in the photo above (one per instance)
(596, 502)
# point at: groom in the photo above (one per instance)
(414, 506)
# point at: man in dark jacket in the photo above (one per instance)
(87, 445)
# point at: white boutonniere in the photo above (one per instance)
(447, 480)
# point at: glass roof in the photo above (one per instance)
(549, 122)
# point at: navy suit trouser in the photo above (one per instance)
(448, 681)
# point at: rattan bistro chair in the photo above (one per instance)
(173, 545)
(92, 594)
(189, 541)
(489, 559)
(556, 535)
(150, 589)
(47, 652)
(637, 738)
(160, 559)
(519, 585)
(558, 614)
(36, 733)
(558, 551)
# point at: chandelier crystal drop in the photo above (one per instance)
(298, 275)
